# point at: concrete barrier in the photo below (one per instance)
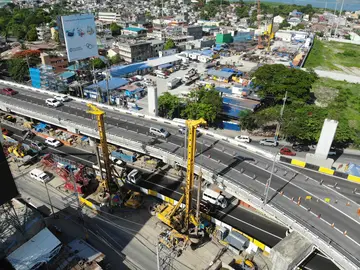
(244, 146)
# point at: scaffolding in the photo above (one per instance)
(49, 80)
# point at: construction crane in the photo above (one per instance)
(260, 45)
(16, 149)
(173, 215)
(99, 114)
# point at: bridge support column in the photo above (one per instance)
(290, 252)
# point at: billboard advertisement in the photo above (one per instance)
(8, 188)
(80, 36)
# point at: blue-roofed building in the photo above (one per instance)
(134, 32)
(68, 76)
(130, 70)
(93, 91)
(219, 75)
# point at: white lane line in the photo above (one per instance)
(242, 221)
(308, 192)
(328, 187)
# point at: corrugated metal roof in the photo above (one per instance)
(35, 250)
(114, 83)
(218, 73)
(120, 71)
(163, 60)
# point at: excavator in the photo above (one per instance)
(182, 220)
(17, 149)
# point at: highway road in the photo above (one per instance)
(252, 224)
(234, 164)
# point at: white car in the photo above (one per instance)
(53, 102)
(39, 175)
(52, 142)
(62, 98)
(243, 138)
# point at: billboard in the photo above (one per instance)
(80, 36)
(8, 188)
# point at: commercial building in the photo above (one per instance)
(102, 90)
(109, 17)
(156, 47)
(193, 30)
(224, 38)
(58, 61)
(134, 32)
(135, 51)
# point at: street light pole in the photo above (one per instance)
(268, 182)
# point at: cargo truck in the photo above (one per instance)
(174, 82)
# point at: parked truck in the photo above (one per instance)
(190, 79)
(118, 154)
(174, 82)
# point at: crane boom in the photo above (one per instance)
(99, 114)
(191, 150)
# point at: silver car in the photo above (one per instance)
(159, 132)
(268, 142)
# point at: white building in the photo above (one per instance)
(109, 17)
(294, 21)
(43, 32)
(278, 19)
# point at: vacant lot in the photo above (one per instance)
(325, 90)
(330, 55)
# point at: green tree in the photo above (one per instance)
(247, 120)
(203, 103)
(169, 105)
(18, 69)
(284, 24)
(243, 11)
(31, 34)
(274, 80)
(115, 59)
(115, 29)
(97, 63)
(57, 37)
(169, 44)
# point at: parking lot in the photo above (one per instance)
(184, 89)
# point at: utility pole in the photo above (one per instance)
(47, 191)
(277, 132)
(337, 25)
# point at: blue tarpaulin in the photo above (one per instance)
(353, 169)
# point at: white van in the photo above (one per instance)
(39, 175)
(215, 198)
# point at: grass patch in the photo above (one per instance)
(326, 90)
(330, 55)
